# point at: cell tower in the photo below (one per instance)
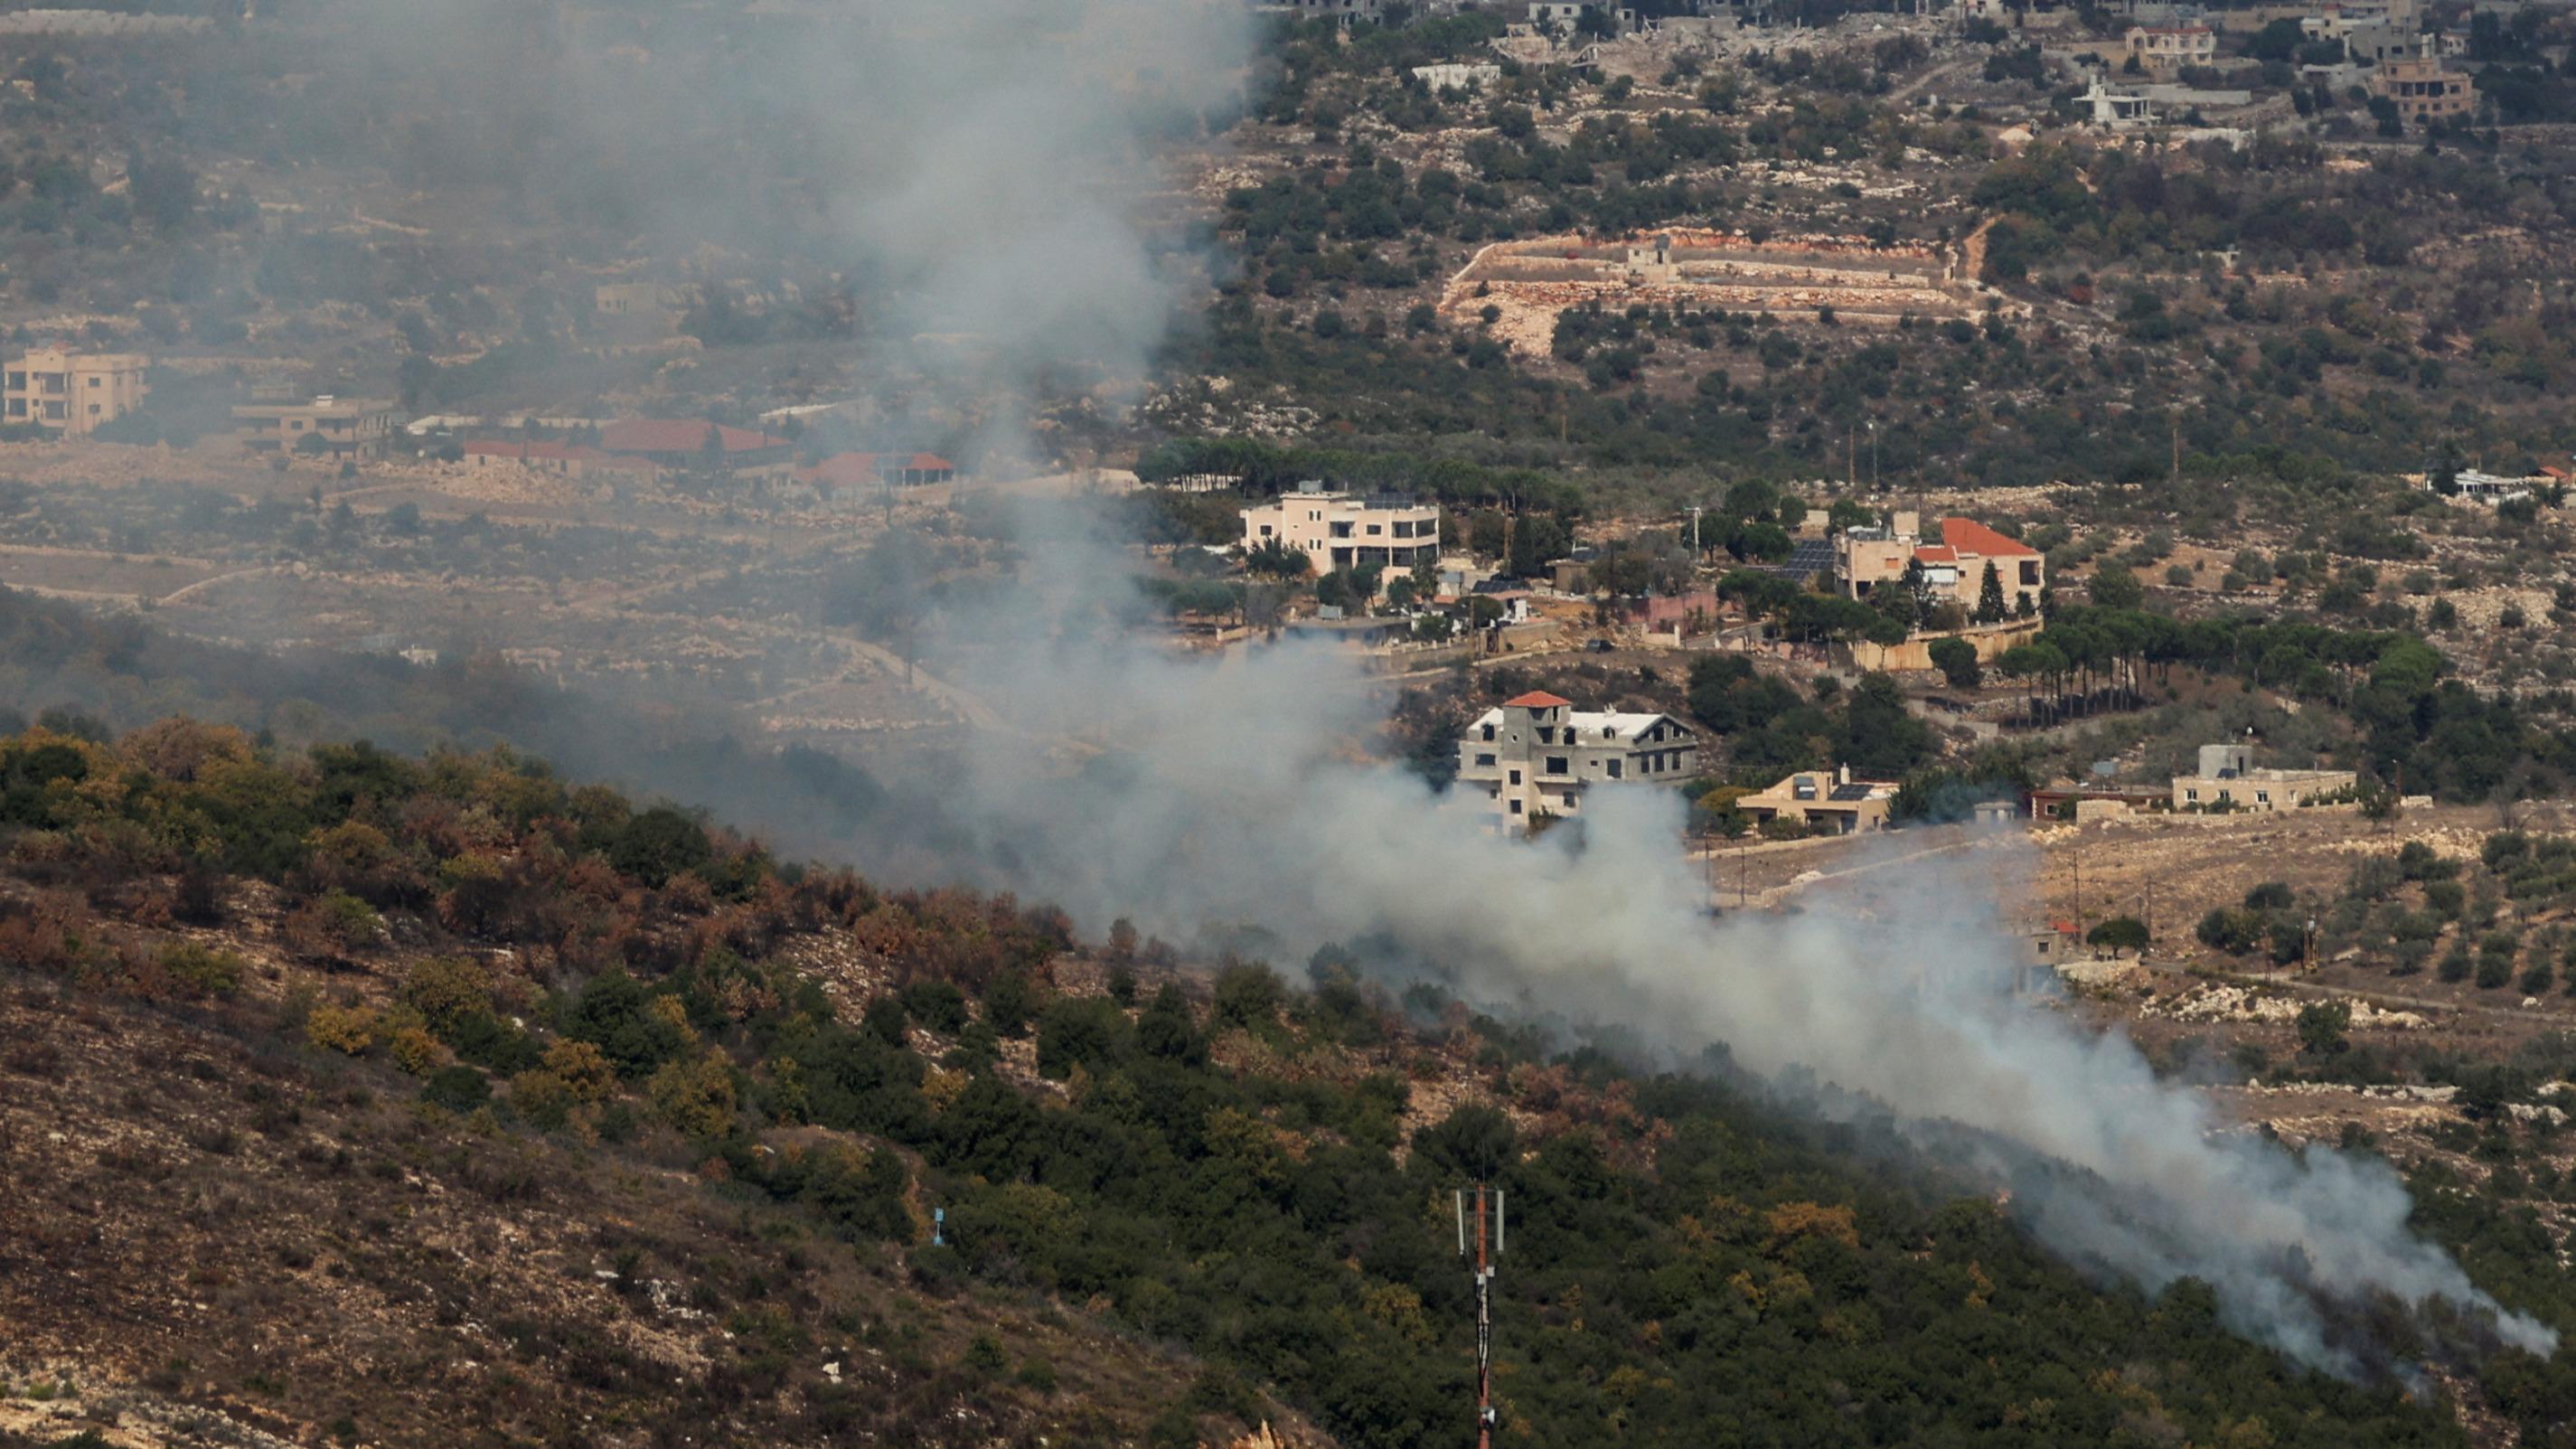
(1485, 1214)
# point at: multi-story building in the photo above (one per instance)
(348, 427)
(2166, 48)
(2421, 89)
(1537, 755)
(73, 392)
(1343, 531)
(1953, 569)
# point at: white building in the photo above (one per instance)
(1343, 531)
(2229, 780)
(1538, 755)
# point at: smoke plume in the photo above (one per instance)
(1226, 800)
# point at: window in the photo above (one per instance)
(1556, 765)
(1489, 732)
(1547, 734)
(1516, 807)
(2030, 573)
(2262, 797)
(1485, 759)
(1341, 530)
(93, 410)
(17, 382)
(1374, 530)
(93, 382)
(2190, 794)
(1265, 530)
(1516, 777)
(1614, 769)
(1568, 798)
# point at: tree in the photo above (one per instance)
(2114, 587)
(1990, 596)
(1957, 661)
(2120, 933)
(2322, 1025)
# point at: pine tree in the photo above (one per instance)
(1990, 596)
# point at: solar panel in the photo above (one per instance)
(1804, 562)
(1851, 792)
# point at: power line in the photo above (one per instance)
(1485, 1214)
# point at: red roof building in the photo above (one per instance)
(1536, 699)
(852, 472)
(677, 442)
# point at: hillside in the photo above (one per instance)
(358, 1098)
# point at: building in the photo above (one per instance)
(348, 427)
(1537, 755)
(73, 392)
(1953, 569)
(2118, 110)
(1829, 800)
(640, 309)
(2228, 780)
(854, 474)
(2420, 88)
(1345, 13)
(1343, 531)
(691, 442)
(570, 460)
(2166, 48)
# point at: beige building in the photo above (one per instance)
(2421, 88)
(1538, 755)
(1342, 530)
(1953, 568)
(74, 392)
(1824, 799)
(2165, 48)
(2228, 780)
(348, 427)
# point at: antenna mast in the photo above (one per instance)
(1486, 1214)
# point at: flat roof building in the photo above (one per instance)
(1827, 799)
(348, 427)
(1344, 531)
(72, 393)
(2229, 780)
(1537, 755)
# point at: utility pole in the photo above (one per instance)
(1873, 457)
(1694, 513)
(1484, 1280)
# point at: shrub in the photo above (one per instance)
(1248, 994)
(541, 1099)
(2537, 977)
(201, 970)
(415, 1050)
(350, 1029)
(2494, 971)
(694, 1097)
(458, 1089)
(447, 989)
(938, 1005)
(1008, 1002)
(2271, 895)
(2235, 932)
(2322, 1025)
(2456, 963)
(583, 1069)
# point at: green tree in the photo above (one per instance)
(1990, 596)
(1957, 661)
(2322, 1025)
(2120, 933)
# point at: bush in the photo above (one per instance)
(458, 1089)
(2456, 964)
(201, 970)
(2234, 932)
(2322, 1025)
(349, 1029)
(2272, 895)
(542, 1100)
(694, 1097)
(1248, 995)
(937, 1005)
(2494, 971)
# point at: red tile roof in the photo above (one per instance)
(1971, 537)
(679, 435)
(1537, 699)
(1935, 553)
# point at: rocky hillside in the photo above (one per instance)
(360, 1099)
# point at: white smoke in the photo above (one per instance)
(1227, 800)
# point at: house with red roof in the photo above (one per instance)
(1537, 755)
(1953, 563)
(847, 474)
(694, 442)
